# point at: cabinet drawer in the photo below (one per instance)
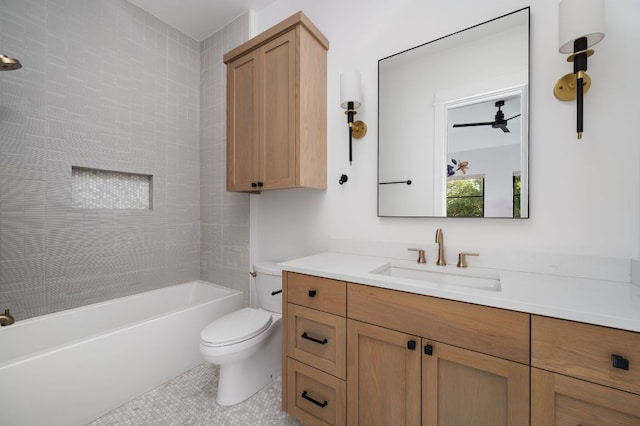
(493, 331)
(317, 338)
(315, 397)
(317, 293)
(585, 351)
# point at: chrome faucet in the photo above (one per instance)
(7, 318)
(440, 241)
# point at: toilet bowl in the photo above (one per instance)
(247, 344)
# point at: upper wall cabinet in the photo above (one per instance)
(277, 109)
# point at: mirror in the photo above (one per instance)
(453, 124)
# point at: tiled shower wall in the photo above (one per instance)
(224, 215)
(107, 86)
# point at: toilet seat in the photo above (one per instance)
(236, 327)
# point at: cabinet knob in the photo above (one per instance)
(411, 345)
(260, 184)
(428, 350)
(312, 293)
(254, 185)
(620, 362)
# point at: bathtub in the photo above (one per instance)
(69, 368)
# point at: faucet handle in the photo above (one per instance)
(462, 259)
(421, 257)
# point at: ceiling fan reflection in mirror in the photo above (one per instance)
(499, 122)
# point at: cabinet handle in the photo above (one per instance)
(322, 342)
(253, 184)
(411, 345)
(312, 293)
(318, 403)
(620, 362)
(273, 293)
(260, 184)
(428, 350)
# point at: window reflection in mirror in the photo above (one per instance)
(477, 80)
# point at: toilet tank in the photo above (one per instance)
(269, 286)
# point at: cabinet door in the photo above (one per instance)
(463, 387)
(383, 374)
(243, 98)
(278, 118)
(561, 400)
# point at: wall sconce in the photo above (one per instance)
(350, 100)
(581, 26)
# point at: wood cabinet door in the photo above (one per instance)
(463, 387)
(243, 98)
(561, 400)
(383, 373)
(277, 167)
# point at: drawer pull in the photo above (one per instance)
(273, 293)
(322, 342)
(312, 293)
(619, 362)
(318, 403)
(428, 350)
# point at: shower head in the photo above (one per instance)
(9, 64)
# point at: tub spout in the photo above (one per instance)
(7, 318)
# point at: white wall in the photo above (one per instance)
(584, 194)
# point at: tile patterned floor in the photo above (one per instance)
(190, 399)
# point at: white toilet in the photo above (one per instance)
(247, 344)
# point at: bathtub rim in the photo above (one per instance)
(230, 292)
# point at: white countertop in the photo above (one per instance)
(594, 301)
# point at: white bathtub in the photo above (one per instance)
(71, 367)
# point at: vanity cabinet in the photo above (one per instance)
(442, 362)
(584, 374)
(277, 110)
(314, 349)
(399, 358)
(398, 378)
(410, 359)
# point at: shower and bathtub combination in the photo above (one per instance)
(71, 367)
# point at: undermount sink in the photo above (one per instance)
(444, 277)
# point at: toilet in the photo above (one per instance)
(247, 344)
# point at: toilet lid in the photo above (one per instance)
(236, 327)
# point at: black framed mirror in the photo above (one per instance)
(453, 137)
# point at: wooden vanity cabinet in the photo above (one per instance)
(441, 362)
(410, 359)
(584, 374)
(277, 110)
(314, 349)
